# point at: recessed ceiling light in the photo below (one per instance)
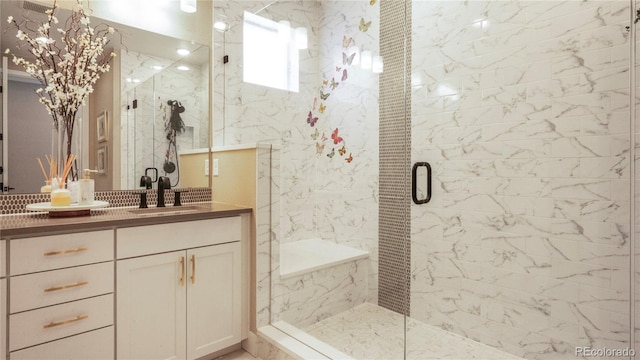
(188, 6)
(135, 81)
(129, 80)
(220, 25)
(183, 68)
(183, 52)
(157, 67)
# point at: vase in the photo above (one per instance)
(62, 143)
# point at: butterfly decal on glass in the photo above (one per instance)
(364, 26)
(349, 159)
(324, 138)
(342, 150)
(336, 139)
(322, 108)
(324, 96)
(315, 102)
(332, 153)
(338, 68)
(315, 134)
(347, 60)
(334, 84)
(344, 75)
(346, 42)
(319, 148)
(311, 120)
(372, 2)
(325, 82)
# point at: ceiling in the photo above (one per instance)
(127, 37)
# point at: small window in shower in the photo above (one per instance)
(270, 53)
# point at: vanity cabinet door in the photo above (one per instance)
(213, 299)
(3, 319)
(151, 303)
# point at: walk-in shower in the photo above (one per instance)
(523, 113)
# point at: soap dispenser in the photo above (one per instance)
(87, 188)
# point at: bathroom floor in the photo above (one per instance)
(368, 331)
(237, 355)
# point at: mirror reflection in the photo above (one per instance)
(163, 115)
(152, 106)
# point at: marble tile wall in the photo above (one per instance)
(305, 299)
(522, 109)
(318, 195)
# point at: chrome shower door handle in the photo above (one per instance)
(414, 181)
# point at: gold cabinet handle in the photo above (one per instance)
(62, 287)
(182, 275)
(193, 269)
(65, 322)
(63, 252)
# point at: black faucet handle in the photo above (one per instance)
(164, 182)
(143, 200)
(176, 201)
(145, 182)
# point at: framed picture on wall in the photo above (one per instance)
(102, 126)
(101, 161)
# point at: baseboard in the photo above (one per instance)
(250, 344)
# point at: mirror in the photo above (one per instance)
(148, 86)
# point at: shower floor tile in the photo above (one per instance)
(368, 331)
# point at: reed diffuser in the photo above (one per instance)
(60, 196)
(47, 177)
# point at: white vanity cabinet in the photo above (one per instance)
(61, 296)
(179, 289)
(3, 301)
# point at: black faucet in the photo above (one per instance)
(145, 182)
(164, 183)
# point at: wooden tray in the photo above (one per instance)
(66, 211)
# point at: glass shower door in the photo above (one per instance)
(337, 269)
(522, 109)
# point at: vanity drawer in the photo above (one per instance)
(97, 344)
(153, 239)
(3, 257)
(51, 323)
(57, 286)
(60, 251)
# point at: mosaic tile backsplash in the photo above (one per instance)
(15, 204)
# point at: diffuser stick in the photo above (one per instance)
(46, 178)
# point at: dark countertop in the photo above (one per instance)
(39, 224)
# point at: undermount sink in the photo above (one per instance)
(170, 210)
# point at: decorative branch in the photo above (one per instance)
(67, 70)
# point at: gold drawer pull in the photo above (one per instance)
(193, 269)
(65, 322)
(182, 273)
(63, 252)
(62, 287)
